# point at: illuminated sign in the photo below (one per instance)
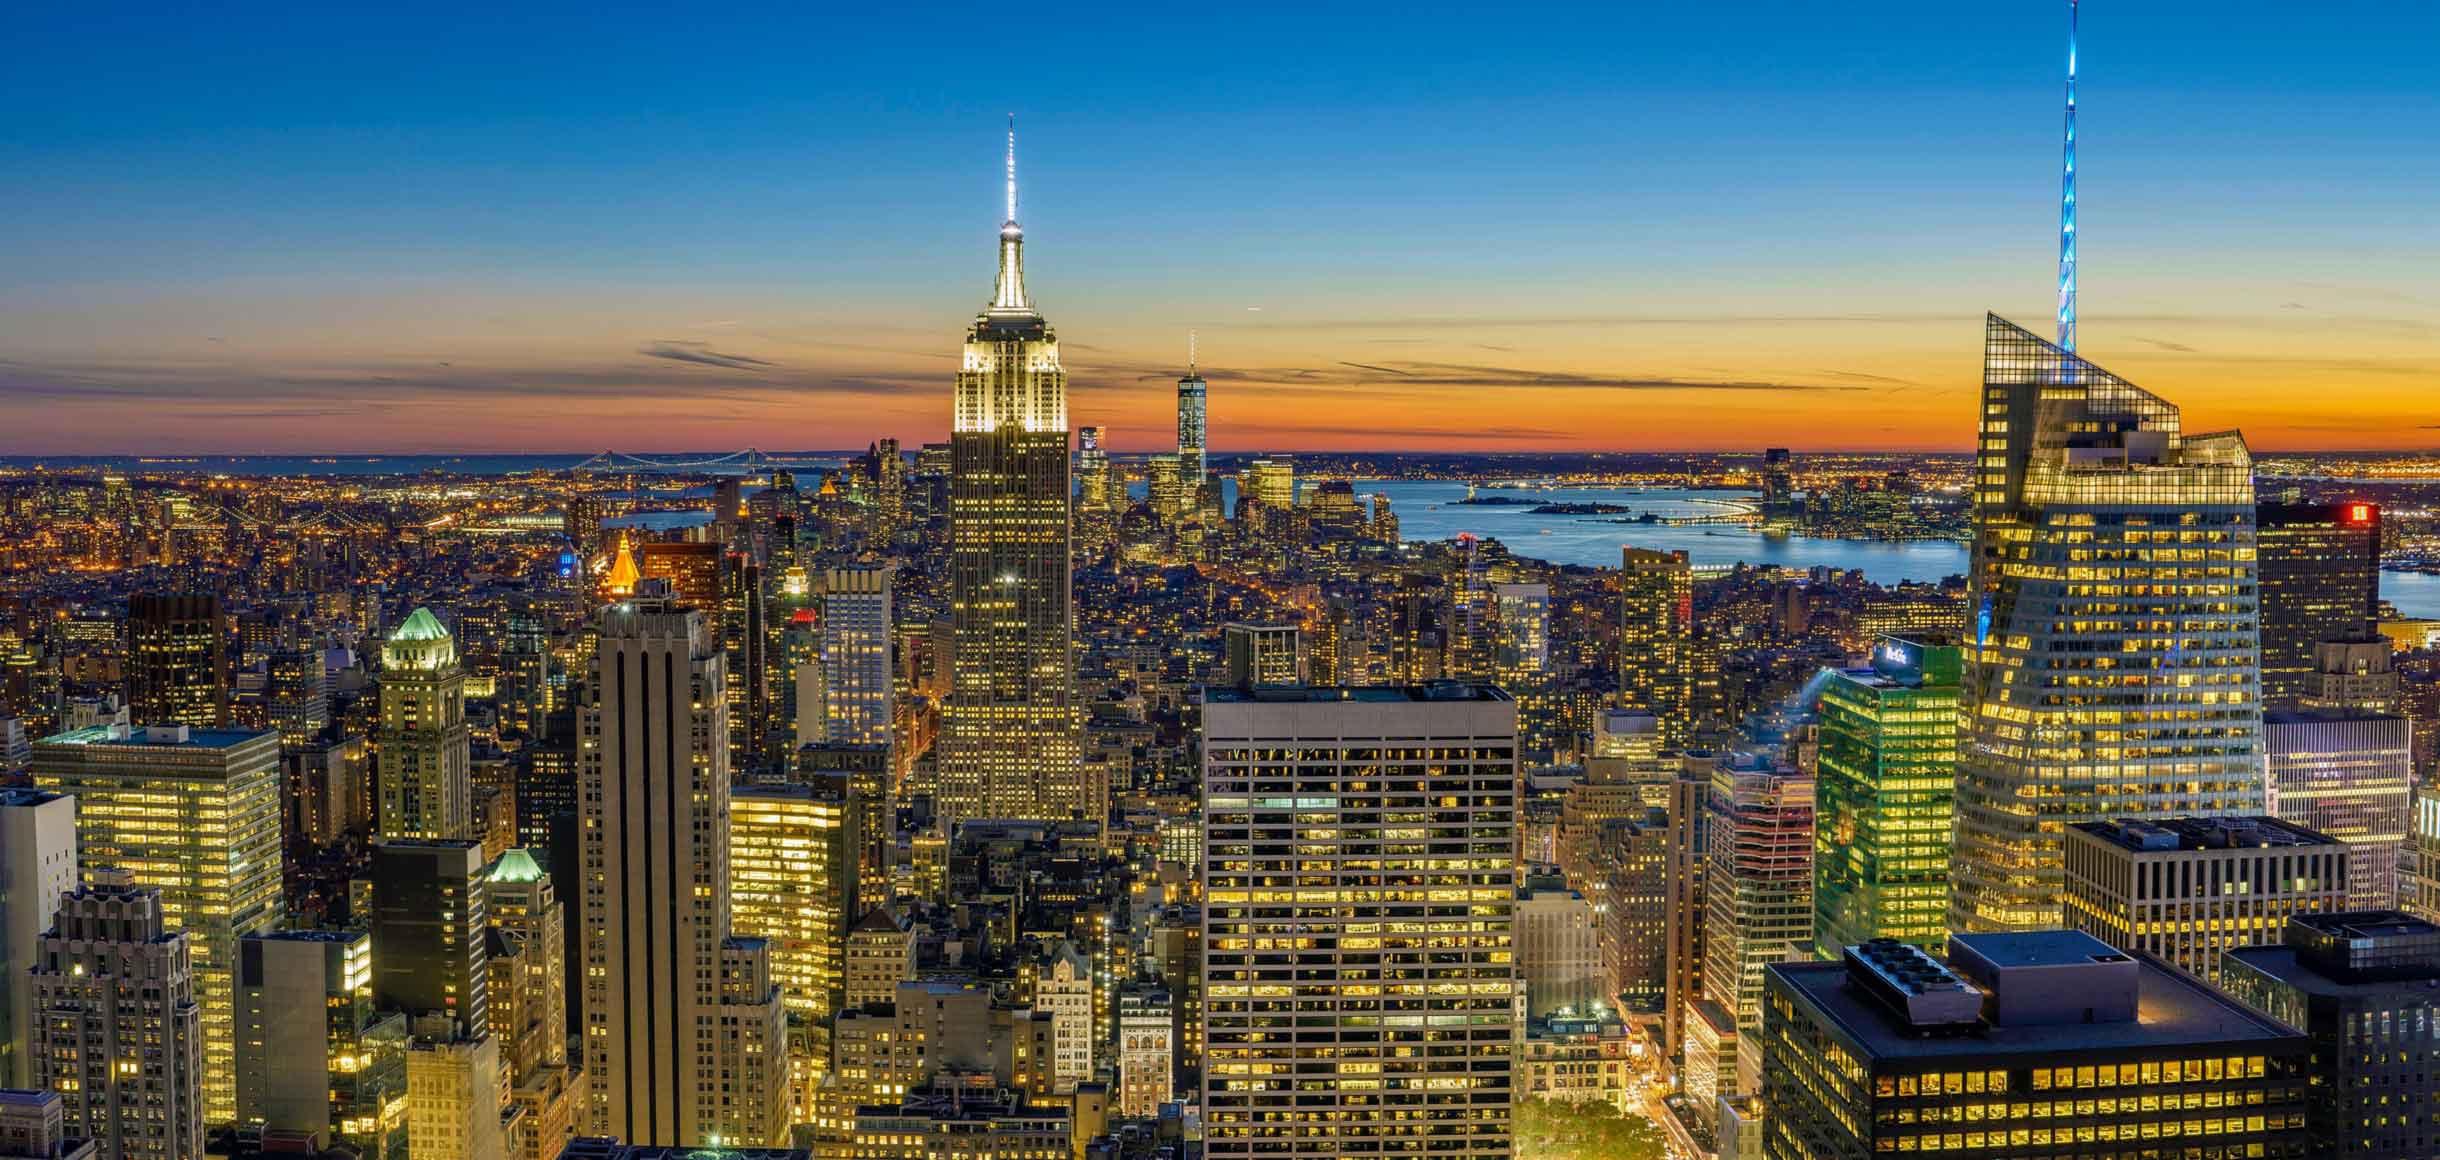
(2359, 513)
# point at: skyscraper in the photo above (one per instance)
(792, 862)
(177, 669)
(314, 1053)
(1191, 392)
(683, 1029)
(429, 924)
(2349, 774)
(528, 994)
(2360, 985)
(1259, 654)
(194, 813)
(2321, 581)
(37, 869)
(422, 767)
(1886, 798)
(1655, 649)
(1010, 744)
(2111, 664)
(856, 681)
(117, 1030)
(1359, 984)
(1758, 887)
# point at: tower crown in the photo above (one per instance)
(1008, 296)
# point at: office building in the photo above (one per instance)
(2353, 675)
(1310, 796)
(1886, 797)
(177, 663)
(1097, 488)
(1010, 744)
(422, 770)
(1655, 639)
(1758, 885)
(1061, 987)
(792, 882)
(1191, 423)
(2359, 985)
(1147, 1051)
(2022, 1045)
(2320, 568)
(2129, 691)
(315, 1055)
(692, 570)
(297, 691)
(38, 867)
(2185, 889)
(856, 656)
(684, 1030)
(453, 1099)
(34, 1126)
(430, 922)
(526, 953)
(195, 814)
(116, 1029)
(1558, 952)
(2349, 774)
(880, 955)
(1260, 654)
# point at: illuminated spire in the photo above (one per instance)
(2067, 202)
(623, 572)
(1009, 296)
(1190, 354)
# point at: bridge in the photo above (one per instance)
(750, 461)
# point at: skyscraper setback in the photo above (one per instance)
(1010, 744)
(2111, 668)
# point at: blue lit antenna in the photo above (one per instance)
(2067, 202)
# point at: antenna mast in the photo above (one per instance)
(2067, 201)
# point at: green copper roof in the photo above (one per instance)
(421, 626)
(516, 866)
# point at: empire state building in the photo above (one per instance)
(1009, 744)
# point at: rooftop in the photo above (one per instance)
(2187, 834)
(516, 866)
(2170, 1009)
(1371, 694)
(421, 625)
(159, 737)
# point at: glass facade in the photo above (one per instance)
(1886, 798)
(1655, 647)
(2321, 578)
(2111, 665)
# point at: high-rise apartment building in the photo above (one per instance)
(2110, 664)
(2185, 889)
(1260, 654)
(1010, 744)
(297, 691)
(2040, 1043)
(2349, 774)
(195, 814)
(1520, 634)
(37, 868)
(880, 955)
(856, 689)
(684, 1030)
(1358, 857)
(2320, 568)
(116, 1029)
(315, 1054)
(1688, 861)
(177, 665)
(1655, 639)
(1147, 1043)
(2359, 985)
(1886, 797)
(421, 764)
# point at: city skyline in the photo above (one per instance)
(1776, 244)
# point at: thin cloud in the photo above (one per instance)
(2164, 344)
(702, 354)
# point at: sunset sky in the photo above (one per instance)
(344, 228)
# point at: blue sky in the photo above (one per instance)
(253, 219)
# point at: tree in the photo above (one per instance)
(1551, 1130)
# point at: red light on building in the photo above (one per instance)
(2359, 513)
